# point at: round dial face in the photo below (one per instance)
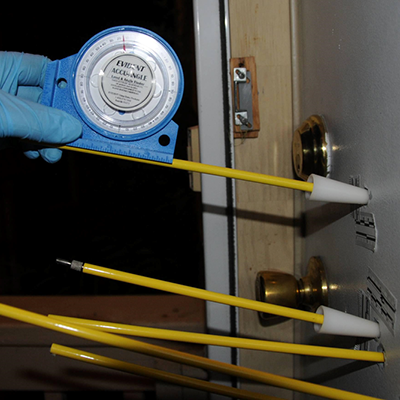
(128, 83)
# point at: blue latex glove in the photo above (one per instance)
(21, 115)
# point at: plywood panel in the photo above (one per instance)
(265, 214)
(27, 363)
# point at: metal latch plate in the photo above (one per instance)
(246, 118)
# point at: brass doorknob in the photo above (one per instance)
(283, 289)
(311, 148)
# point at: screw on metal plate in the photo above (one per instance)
(241, 119)
(240, 74)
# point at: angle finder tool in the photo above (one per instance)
(124, 85)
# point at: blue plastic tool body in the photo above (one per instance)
(157, 144)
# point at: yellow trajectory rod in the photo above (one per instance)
(217, 340)
(177, 356)
(210, 170)
(193, 292)
(181, 380)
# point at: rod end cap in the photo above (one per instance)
(343, 324)
(329, 190)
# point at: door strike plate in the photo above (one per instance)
(246, 117)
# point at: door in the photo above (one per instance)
(349, 73)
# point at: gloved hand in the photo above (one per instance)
(21, 115)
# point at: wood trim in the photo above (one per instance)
(167, 311)
(265, 216)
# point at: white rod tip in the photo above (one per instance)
(329, 190)
(343, 324)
